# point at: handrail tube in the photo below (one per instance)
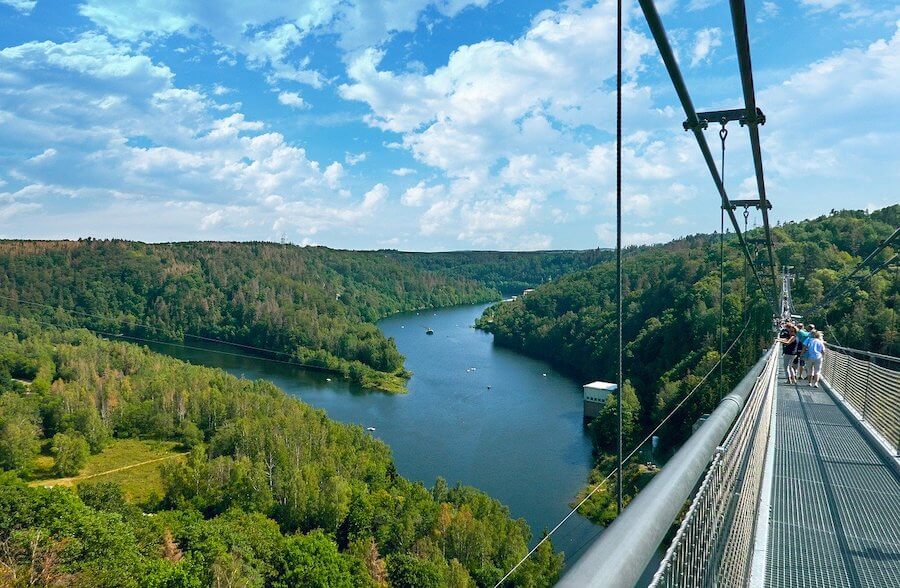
(621, 553)
(862, 352)
(671, 63)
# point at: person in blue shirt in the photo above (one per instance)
(802, 338)
(815, 351)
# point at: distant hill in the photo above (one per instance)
(671, 312)
(315, 304)
(506, 271)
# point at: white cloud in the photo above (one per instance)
(220, 90)
(354, 158)
(212, 219)
(375, 196)
(705, 43)
(436, 217)
(24, 6)
(403, 171)
(45, 154)
(606, 235)
(333, 174)
(767, 11)
(269, 33)
(292, 99)
(7, 211)
(421, 194)
(111, 126)
(504, 119)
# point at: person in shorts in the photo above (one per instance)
(815, 351)
(788, 339)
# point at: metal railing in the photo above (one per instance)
(713, 545)
(727, 508)
(870, 384)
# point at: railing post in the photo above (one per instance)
(865, 406)
(846, 374)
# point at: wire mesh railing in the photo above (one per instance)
(714, 543)
(870, 384)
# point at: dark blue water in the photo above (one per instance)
(521, 440)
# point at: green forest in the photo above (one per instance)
(313, 305)
(671, 316)
(505, 271)
(254, 488)
(270, 492)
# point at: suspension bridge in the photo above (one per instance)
(785, 484)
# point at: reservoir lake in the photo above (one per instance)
(475, 413)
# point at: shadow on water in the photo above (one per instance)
(475, 413)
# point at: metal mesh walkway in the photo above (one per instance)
(835, 508)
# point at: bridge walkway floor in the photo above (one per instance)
(835, 503)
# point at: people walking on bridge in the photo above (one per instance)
(788, 339)
(802, 339)
(815, 349)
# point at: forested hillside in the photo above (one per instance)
(506, 271)
(314, 303)
(272, 493)
(671, 313)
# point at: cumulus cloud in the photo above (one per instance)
(403, 171)
(23, 6)
(421, 194)
(109, 124)
(705, 43)
(814, 147)
(270, 34)
(354, 158)
(375, 196)
(501, 120)
(292, 99)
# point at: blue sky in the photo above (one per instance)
(426, 124)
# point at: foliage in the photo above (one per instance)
(826, 250)
(508, 272)
(313, 305)
(671, 313)
(271, 493)
(70, 452)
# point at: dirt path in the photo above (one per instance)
(70, 481)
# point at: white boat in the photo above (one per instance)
(370, 428)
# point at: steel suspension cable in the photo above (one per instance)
(742, 48)
(723, 134)
(881, 246)
(823, 305)
(668, 56)
(620, 391)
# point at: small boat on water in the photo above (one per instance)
(429, 331)
(370, 428)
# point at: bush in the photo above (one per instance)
(71, 452)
